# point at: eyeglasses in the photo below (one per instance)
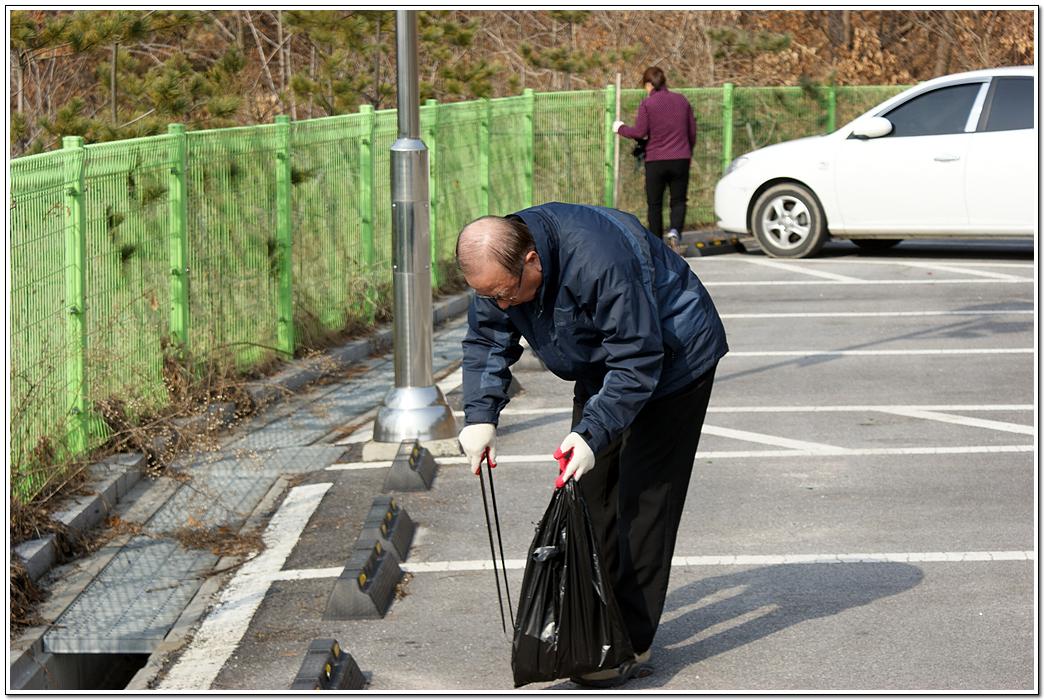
(499, 296)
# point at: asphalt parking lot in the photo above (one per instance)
(861, 515)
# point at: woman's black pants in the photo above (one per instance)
(635, 494)
(659, 175)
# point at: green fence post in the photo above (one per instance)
(284, 240)
(484, 156)
(831, 121)
(726, 126)
(607, 128)
(431, 142)
(76, 293)
(177, 216)
(529, 164)
(366, 114)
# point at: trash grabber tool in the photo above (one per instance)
(496, 520)
(492, 549)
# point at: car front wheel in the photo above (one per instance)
(788, 222)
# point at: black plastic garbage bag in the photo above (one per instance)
(568, 620)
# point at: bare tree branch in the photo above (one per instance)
(260, 51)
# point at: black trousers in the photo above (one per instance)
(659, 175)
(635, 494)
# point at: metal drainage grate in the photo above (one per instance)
(135, 600)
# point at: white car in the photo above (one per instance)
(953, 157)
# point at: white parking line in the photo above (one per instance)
(816, 450)
(853, 353)
(904, 557)
(960, 270)
(223, 628)
(853, 260)
(451, 381)
(761, 438)
(799, 283)
(869, 452)
(791, 267)
(964, 271)
(456, 566)
(965, 420)
(860, 408)
(879, 314)
(798, 409)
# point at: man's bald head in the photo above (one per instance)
(493, 240)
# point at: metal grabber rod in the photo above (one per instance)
(496, 519)
(492, 549)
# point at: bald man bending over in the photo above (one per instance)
(606, 305)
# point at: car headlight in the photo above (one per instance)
(736, 164)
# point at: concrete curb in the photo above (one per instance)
(276, 389)
(270, 391)
(185, 626)
(114, 476)
(700, 244)
(32, 668)
(117, 476)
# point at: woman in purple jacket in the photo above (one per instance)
(664, 117)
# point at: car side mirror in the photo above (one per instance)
(872, 128)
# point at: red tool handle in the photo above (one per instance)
(490, 462)
(563, 460)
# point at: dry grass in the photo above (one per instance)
(190, 393)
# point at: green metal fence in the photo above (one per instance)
(133, 260)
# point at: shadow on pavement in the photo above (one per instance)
(1013, 249)
(751, 605)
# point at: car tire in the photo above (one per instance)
(874, 245)
(788, 222)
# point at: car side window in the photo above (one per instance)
(1012, 105)
(942, 111)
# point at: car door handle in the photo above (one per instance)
(946, 158)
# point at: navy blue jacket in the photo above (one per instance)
(617, 311)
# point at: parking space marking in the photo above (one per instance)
(457, 566)
(451, 381)
(963, 271)
(913, 351)
(805, 283)
(870, 452)
(799, 448)
(859, 408)
(878, 314)
(964, 420)
(903, 557)
(791, 267)
(856, 260)
(761, 438)
(941, 267)
(816, 450)
(223, 628)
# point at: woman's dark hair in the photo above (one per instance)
(655, 77)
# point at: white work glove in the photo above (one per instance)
(475, 438)
(616, 126)
(575, 458)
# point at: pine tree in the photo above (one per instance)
(590, 66)
(733, 45)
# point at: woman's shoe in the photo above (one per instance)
(673, 242)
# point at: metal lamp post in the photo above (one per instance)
(414, 408)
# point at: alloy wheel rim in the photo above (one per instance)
(787, 222)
